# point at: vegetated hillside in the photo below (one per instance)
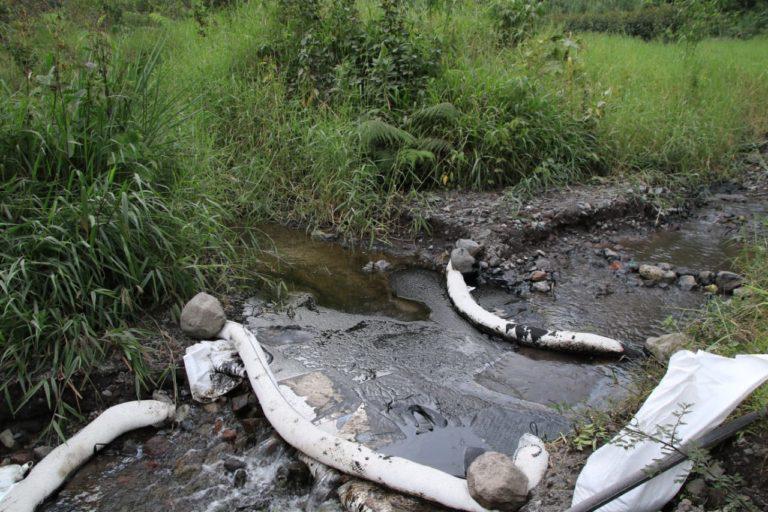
(133, 133)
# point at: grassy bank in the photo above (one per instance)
(134, 134)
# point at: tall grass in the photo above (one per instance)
(91, 235)
(670, 109)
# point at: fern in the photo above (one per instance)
(412, 158)
(377, 133)
(442, 114)
(435, 145)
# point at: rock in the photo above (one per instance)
(382, 265)
(711, 288)
(292, 474)
(633, 266)
(202, 317)
(662, 347)
(496, 483)
(462, 261)
(728, 281)
(610, 255)
(669, 276)
(651, 273)
(211, 408)
(156, 446)
(6, 437)
(368, 267)
(541, 287)
(687, 505)
(472, 247)
(22, 457)
(538, 275)
(665, 266)
(229, 435)
(706, 277)
(42, 451)
(232, 464)
(322, 236)
(240, 478)
(742, 292)
(683, 271)
(687, 283)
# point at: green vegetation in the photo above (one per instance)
(133, 133)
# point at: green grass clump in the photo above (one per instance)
(91, 233)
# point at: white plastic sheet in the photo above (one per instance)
(712, 385)
(213, 369)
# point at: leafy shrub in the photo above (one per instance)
(91, 236)
(516, 20)
(646, 23)
(328, 51)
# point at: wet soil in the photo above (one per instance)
(388, 346)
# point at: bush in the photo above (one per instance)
(646, 23)
(90, 233)
(516, 20)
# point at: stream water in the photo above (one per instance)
(385, 357)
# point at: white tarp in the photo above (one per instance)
(213, 369)
(712, 385)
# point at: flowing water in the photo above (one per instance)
(384, 358)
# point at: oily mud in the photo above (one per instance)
(384, 356)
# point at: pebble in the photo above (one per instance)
(687, 282)
(6, 437)
(229, 435)
(240, 478)
(538, 275)
(728, 281)
(541, 287)
(662, 347)
(232, 464)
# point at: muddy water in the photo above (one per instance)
(386, 357)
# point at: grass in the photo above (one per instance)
(132, 137)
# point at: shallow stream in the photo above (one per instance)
(386, 353)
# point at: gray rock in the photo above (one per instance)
(669, 276)
(610, 255)
(496, 483)
(742, 292)
(42, 451)
(662, 347)
(472, 247)
(202, 317)
(687, 283)
(462, 261)
(665, 266)
(368, 267)
(651, 273)
(382, 265)
(728, 281)
(541, 287)
(6, 437)
(706, 277)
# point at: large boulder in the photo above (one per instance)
(496, 483)
(662, 347)
(462, 261)
(203, 317)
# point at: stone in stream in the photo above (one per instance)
(662, 347)
(472, 247)
(687, 283)
(541, 287)
(496, 483)
(322, 236)
(462, 261)
(728, 281)
(651, 273)
(538, 275)
(202, 317)
(706, 277)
